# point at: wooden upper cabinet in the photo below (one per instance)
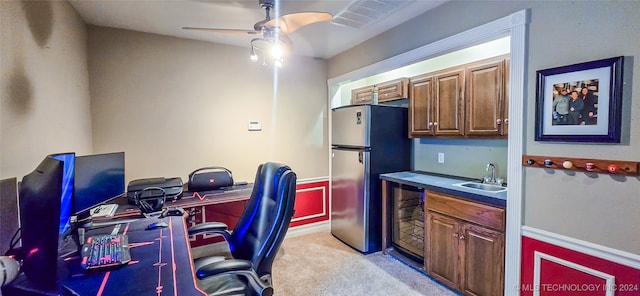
(393, 90)
(421, 106)
(505, 112)
(449, 103)
(470, 100)
(436, 104)
(363, 95)
(484, 98)
(387, 91)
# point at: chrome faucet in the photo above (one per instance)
(493, 173)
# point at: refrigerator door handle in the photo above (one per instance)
(360, 155)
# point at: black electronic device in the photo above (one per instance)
(173, 212)
(39, 199)
(209, 178)
(155, 225)
(9, 213)
(99, 178)
(66, 196)
(171, 188)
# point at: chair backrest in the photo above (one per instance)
(265, 220)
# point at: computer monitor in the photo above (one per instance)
(99, 179)
(39, 199)
(66, 198)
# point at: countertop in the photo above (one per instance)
(444, 184)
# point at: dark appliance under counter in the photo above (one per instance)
(403, 223)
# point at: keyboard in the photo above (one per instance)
(100, 251)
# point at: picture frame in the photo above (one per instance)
(594, 116)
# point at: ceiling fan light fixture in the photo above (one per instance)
(279, 62)
(273, 31)
(253, 56)
(276, 51)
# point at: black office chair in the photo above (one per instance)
(255, 240)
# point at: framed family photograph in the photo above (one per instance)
(580, 103)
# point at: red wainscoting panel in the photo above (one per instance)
(549, 269)
(312, 203)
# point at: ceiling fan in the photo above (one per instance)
(273, 31)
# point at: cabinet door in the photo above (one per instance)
(362, 95)
(393, 90)
(482, 250)
(505, 114)
(449, 103)
(484, 98)
(421, 106)
(441, 252)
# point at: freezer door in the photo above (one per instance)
(350, 126)
(350, 197)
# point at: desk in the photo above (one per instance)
(161, 263)
(187, 200)
(224, 206)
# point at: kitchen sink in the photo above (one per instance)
(481, 186)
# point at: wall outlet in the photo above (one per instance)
(440, 157)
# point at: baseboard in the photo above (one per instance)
(308, 228)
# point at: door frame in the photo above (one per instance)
(514, 25)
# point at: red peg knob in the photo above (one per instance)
(612, 168)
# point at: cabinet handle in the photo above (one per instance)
(461, 237)
(435, 123)
(498, 121)
(455, 235)
(506, 121)
(430, 124)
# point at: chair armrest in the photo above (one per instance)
(262, 286)
(223, 266)
(210, 227)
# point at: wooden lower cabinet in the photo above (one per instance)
(482, 251)
(465, 256)
(441, 254)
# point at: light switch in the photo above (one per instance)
(440, 157)
(255, 126)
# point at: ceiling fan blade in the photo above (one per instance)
(225, 31)
(290, 22)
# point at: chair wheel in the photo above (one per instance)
(267, 292)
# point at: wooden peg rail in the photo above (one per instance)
(615, 167)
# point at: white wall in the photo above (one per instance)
(175, 105)
(44, 89)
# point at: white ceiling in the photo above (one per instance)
(167, 17)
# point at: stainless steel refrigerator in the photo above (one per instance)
(367, 140)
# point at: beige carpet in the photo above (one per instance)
(319, 264)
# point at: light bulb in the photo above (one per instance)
(279, 62)
(276, 51)
(253, 56)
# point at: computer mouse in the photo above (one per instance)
(155, 225)
(174, 212)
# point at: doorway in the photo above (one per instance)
(514, 26)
